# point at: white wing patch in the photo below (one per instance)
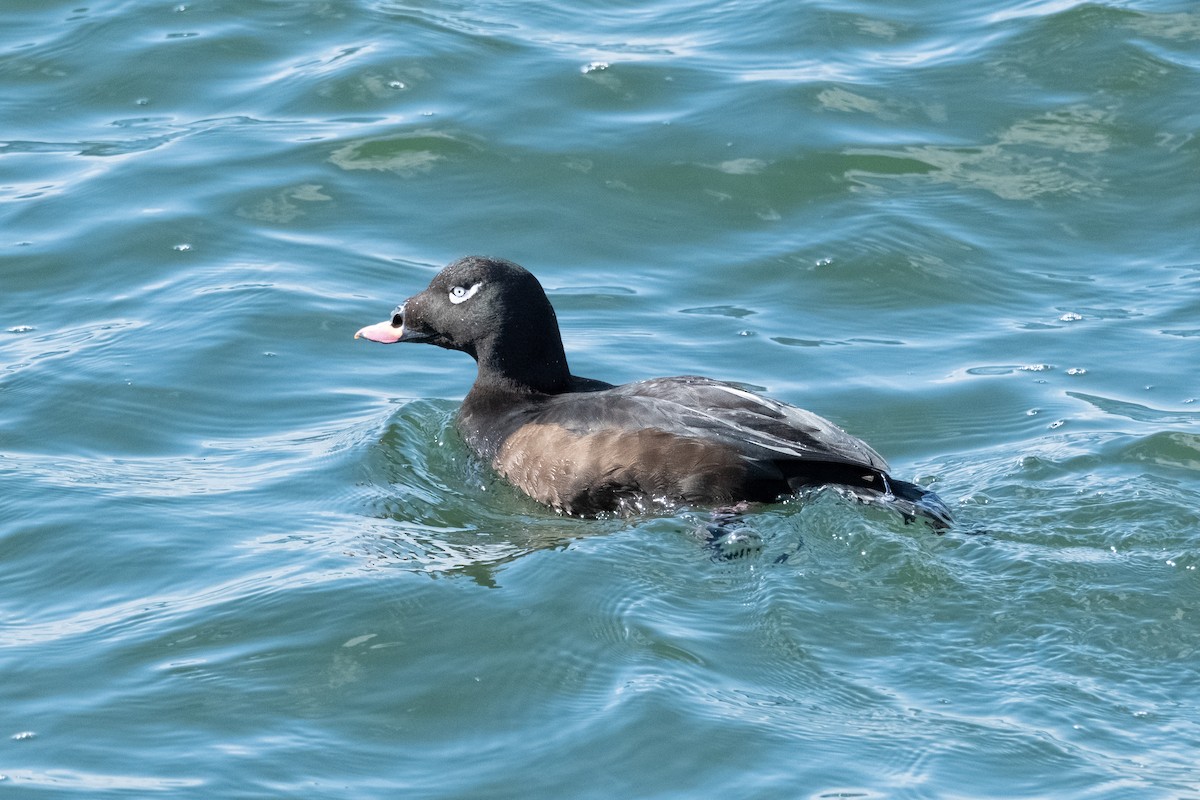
(798, 417)
(742, 393)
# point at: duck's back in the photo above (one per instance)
(686, 439)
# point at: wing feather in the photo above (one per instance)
(695, 407)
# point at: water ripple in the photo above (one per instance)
(245, 555)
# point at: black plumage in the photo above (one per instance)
(584, 446)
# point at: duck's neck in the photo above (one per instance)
(523, 361)
(503, 395)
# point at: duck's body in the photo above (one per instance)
(583, 446)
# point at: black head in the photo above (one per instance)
(492, 309)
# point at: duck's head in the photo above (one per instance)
(492, 309)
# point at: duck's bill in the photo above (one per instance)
(383, 332)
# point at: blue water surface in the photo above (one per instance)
(243, 555)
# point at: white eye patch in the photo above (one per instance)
(461, 294)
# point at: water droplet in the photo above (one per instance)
(396, 85)
(595, 66)
(182, 247)
(21, 329)
(1070, 316)
(1077, 371)
(1033, 412)
(142, 101)
(23, 736)
(1058, 423)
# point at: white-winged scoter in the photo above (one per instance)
(584, 447)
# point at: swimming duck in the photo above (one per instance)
(585, 447)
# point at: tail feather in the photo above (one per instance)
(908, 500)
(913, 501)
(878, 489)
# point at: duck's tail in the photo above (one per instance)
(913, 503)
(877, 488)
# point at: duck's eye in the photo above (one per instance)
(460, 294)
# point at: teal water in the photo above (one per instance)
(244, 555)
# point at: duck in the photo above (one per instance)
(585, 447)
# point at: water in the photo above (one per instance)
(244, 555)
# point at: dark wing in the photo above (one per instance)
(761, 429)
